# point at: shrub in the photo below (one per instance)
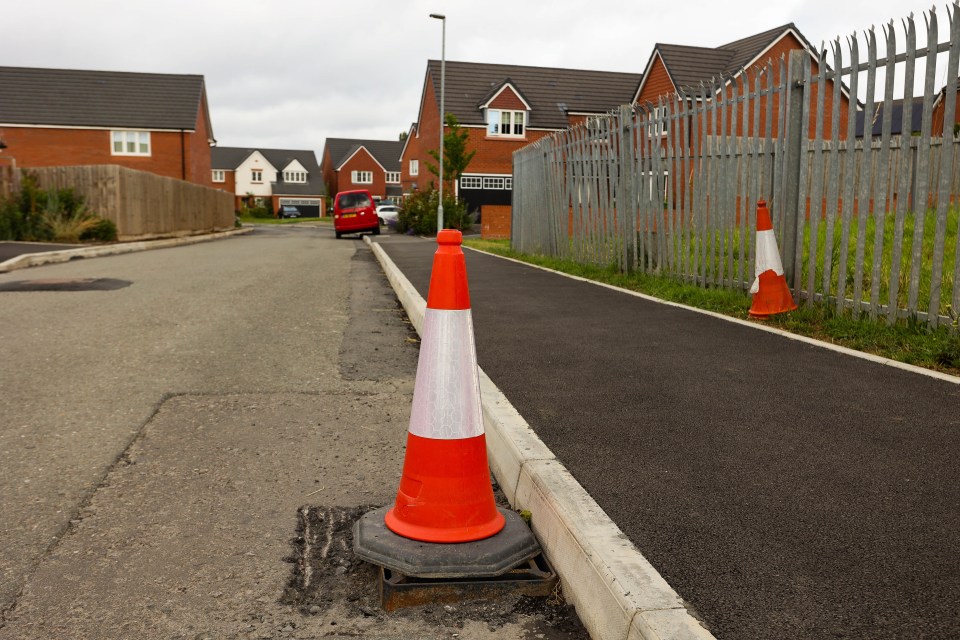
(258, 211)
(21, 216)
(419, 213)
(102, 230)
(38, 215)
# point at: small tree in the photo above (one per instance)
(455, 155)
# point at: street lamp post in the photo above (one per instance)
(443, 73)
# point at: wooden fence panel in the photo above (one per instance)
(143, 205)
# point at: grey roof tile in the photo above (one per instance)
(99, 98)
(386, 152)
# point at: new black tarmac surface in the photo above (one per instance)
(784, 490)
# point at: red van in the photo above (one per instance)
(354, 212)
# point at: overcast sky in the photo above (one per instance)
(290, 74)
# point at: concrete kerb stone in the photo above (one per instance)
(51, 257)
(617, 593)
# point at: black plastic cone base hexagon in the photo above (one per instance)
(493, 556)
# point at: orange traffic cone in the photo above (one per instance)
(770, 292)
(445, 492)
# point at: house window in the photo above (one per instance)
(658, 123)
(256, 175)
(295, 176)
(493, 183)
(219, 175)
(361, 177)
(506, 123)
(130, 143)
(471, 182)
(393, 177)
(414, 167)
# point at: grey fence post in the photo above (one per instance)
(626, 199)
(795, 134)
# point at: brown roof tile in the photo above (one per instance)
(689, 66)
(550, 92)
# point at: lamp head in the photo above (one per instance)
(438, 16)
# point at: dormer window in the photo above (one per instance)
(299, 177)
(503, 123)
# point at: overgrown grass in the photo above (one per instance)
(883, 279)
(909, 342)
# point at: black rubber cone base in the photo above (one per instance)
(493, 556)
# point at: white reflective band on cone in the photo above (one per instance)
(768, 257)
(446, 398)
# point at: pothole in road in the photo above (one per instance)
(326, 573)
(66, 284)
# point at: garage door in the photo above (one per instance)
(308, 207)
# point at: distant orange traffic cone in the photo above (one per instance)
(445, 493)
(771, 295)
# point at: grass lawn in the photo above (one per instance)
(909, 342)
(328, 221)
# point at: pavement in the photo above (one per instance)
(688, 476)
(782, 487)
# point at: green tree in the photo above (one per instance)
(455, 155)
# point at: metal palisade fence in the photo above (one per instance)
(860, 171)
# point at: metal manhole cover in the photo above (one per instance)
(66, 284)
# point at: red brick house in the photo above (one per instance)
(672, 67)
(273, 177)
(147, 121)
(349, 164)
(503, 108)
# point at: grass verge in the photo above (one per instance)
(909, 342)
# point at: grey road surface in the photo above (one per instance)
(784, 490)
(158, 436)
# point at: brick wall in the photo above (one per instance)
(508, 100)
(198, 156)
(658, 84)
(427, 137)
(362, 161)
(495, 221)
(41, 147)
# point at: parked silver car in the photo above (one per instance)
(388, 214)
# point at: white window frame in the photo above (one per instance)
(471, 182)
(658, 127)
(299, 177)
(494, 182)
(503, 123)
(392, 177)
(652, 184)
(361, 177)
(219, 175)
(256, 176)
(132, 143)
(414, 167)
